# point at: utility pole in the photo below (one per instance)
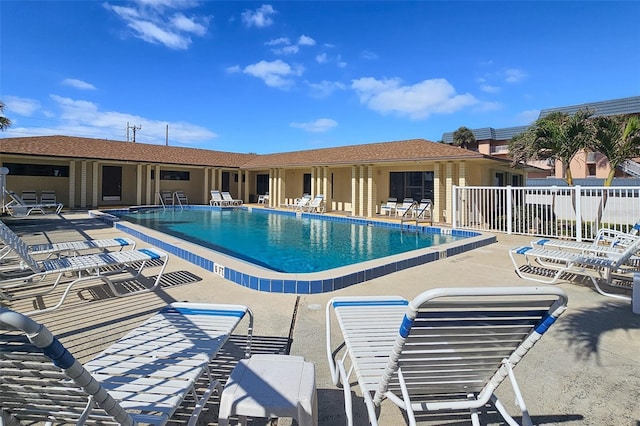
(134, 128)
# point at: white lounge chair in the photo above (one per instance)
(216, 199)
(299, 204)
(316, 205)
(226, 196)
(406, 208)
(547, 266)
(606, 240)
(45, 275)
(19, 207)
(61, 249)
(263, 199)
(48, 199)
(180, 198)
(165, 198)
(424, 211)
(447, 349)
(389, 208)
(141, 379)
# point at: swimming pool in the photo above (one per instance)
(286, 243)
(258, 276)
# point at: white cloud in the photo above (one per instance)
(278, 41)
(21, 106)
(417, 101)
(287, 50)
(156, 22)
(78, 84)
(317, 126)
(322, 58)
(85, 118)
(306, 41)
(260, 17)
(234, 69)
(489, 88)
(325, 88)
(275, 73)
(366, 54)
(514, 75)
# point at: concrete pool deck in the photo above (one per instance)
(585, 371)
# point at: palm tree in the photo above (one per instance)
(557, 136)
(4, 121)
(463, 137)
(618, 138)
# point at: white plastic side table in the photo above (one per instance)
(271, 386)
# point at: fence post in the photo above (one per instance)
(454, 206)
(578, 199)
(509, 210)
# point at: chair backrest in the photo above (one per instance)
(15, 199)
(16, 243)
(392, 202)
(425, 207)
(29, 198)
(317, 201)
(227, 196)
(216, 195)
(304, 201)
(33, 362)
(453, 341)
(166, 197)
(48, 197)
(181, 198)
(407, 203)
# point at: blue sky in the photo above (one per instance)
(269, 77)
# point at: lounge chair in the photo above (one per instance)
(263, 199)
(48, 199)
(316, 205)
(180, 198)
(606, 240)
(406, 208)
(547, 266)
(43, 276)
(165, 198)
(217, 200)
(61, 249)
(230, 200)
(389, 208)
(424, 211)
(19, 207)
(299, 204)
(143, 378)
(447, 349)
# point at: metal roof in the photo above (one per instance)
(629, 105)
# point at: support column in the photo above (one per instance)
(361, 189)
(84, 182)
(247, 186)
(151, 195)
(449, 191)
(72, 184)
(328, 202)
(157, 190)
(370, 196)
(206, 194)
(94, 199)
(354, 190)
(139, 176)
(437, 193)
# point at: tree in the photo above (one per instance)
(4, 121)
(557, 136)
(618, 138)
(463, 137)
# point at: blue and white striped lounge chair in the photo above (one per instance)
(606, 240)
(43, 276)
(143, 378)
(406, 208)
(447, 349)
(64, 248)
(389, 208)
(548, 265)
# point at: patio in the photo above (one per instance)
(585, 371)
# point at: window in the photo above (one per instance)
(416, 185)
(174, 175)
(306, 183)
(19, 169)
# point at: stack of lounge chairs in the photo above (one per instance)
(28, 203)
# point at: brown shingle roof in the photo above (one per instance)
(86, 148)
(409, 150)
(101, 149)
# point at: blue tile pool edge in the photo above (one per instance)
(311, 286)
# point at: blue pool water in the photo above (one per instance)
(285, 243)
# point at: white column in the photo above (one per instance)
(449, 191)
(354, 190)
(370, 197)
(361, 193)
(95, 180)
(72, 184)
(139, 176)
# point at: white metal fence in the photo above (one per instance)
(568, 212)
